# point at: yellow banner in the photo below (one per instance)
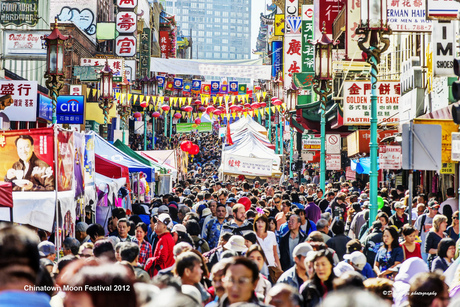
(233, 99)
(135, 98)
(154, 98)
(214, 99)
(94, 92)
(181, 101)
(258, 97)
(448, 168)
(117, 95)
(279, 24)
(264, 94)
(161, 99)
(129, 97)
(147, 98)
(247, 98)
(273, 109)
(220, 100)
(189, 99)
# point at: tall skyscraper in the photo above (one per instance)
(221, 29)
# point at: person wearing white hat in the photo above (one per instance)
(236, 244)
(297, 272)
(163, 255)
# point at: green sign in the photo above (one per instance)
(308, 53)
(19, 12)
(187, 128)
(87, 73)
(144, 54)
(92, 125)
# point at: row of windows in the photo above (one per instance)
(217, 55)
(209, 20)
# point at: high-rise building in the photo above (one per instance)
(221, 29)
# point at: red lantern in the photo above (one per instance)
(257, 88)
(156, 114)
(165, 107)
(177, 115)
(144, 104)
(277, 102)
(249, 92)
(188, 109)
(263, 104)
(197, 121)
(255, 105)
(202, 109)
(234, 109)
(138, 116)
(197, 102)
(194, 149)
(274, 98)
(186, 146)
(210, 109)
(217, 112)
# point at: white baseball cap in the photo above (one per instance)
(357, 259)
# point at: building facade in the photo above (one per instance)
(221, 30)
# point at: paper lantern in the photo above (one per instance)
(186, 146)
(144, 104)
(255, 105)
(202, 109)
(274, 98)
(197, 121)
(166, 98)
(257, 88)
(165, 107)
(263, 104)
(194, 149)
(188, 109)
(197, 102)
(210, 109)
(177, 115)
(277, 102)
(234, 109)
(217, 112)
(156, 114)
(137, 116)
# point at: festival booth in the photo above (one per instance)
(112, 153)
(249, 155)
(111, 169)
(246, 122)
(167, 159)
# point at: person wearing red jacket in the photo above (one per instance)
(163, 256)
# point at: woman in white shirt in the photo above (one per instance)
(267, 240)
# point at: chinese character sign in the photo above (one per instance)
(125, 46)
(408, 15)
(357, 102)
(117, 65)
(292, 58)
(126, 22)
(126, 4)
(308, 50)
(27, 159)
(165, 44)
(327, 12)
(241, 165)
(24, 95)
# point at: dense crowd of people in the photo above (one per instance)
(212, 243)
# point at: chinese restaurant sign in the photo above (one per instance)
(27, 159)
(234, 164)
(117, 66)
(357, 102)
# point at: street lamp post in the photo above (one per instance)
(106, 99)
(323, 87)
(373, 31)
(123, 107)
(54, 75)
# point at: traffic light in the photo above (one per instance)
(456, 92)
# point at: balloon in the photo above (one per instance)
(246, 202)
(186, 146)
(194, 149)
(380, 202)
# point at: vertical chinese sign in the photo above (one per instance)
(292, 43)
(165, 44)
(308, 52)
(126, 23)
(327, 11)
(145, 52)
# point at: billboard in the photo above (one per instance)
(24, 44)
(19, 12)
(70, 109)
(187, 128)
(24, 95)
(27, 159)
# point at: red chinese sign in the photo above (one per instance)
(165, 44)
(126, 22)
(292, 58)
(24, 95)
(328, 11)
(125, 46)
(126, 4)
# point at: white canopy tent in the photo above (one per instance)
(247, 122)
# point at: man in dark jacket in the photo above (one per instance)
(399, 218)
(289, 241)
(339, 241)
(373, 242)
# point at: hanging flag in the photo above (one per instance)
(215, 86)
(187, 87)
(189, 100)
(229, 136)
(161, 81)
(220, 100)
(178, 83)
(135, 98)
(206, 89)
(169, 85)
(233, 87)
(196, 85)
(224, 89)
(154, 99)
(242, 89)
(214, 99)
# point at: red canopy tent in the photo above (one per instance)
(111, 169)
(6, 197)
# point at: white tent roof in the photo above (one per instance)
(250, 146)
(205, 118)
(246, 121)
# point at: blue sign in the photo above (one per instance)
(178, 83)
(70, 109)
(277, 57)
(233, 86)
(215, 87)
(45, 107)
(196, 85)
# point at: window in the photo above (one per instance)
(225, 41)
(232, 49)
(194, 5)
(232, 56)
(200, 33)
(246, 56)
(225, 28)
(239, 29)
(224, 48)
(217, 13)
(209, 41)
(201, 26)
(209, 55)
(216, 34)
(225, 14)
(216, 48)
(200, 39)
(239, 56)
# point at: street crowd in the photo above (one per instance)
(240, 242)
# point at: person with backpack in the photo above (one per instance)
(194, 230)
(424, 223)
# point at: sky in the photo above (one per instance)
(257, 7)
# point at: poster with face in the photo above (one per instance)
(27, 159)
